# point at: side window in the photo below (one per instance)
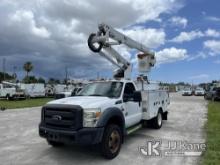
(129, 89)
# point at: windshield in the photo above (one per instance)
(107, 89)
(187, 89)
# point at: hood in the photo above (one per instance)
(86, 101)
(187, 91)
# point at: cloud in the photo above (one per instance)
(212, 18)
(53, 34)
(187, 36)
(212, 33)
(195, 34)
(199, 55)
(200, 76)
(23, 17)
(179, 21)
(213, 46)
(151, 38)
(169, 55)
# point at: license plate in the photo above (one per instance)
(53, 136)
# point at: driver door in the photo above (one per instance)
(132, 109)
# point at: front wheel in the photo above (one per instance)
(54, 144)
(111, 141)
(157, 121)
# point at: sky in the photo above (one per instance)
(52, 34)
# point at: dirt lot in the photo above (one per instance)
(20, 143)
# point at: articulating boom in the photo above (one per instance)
(100, 43)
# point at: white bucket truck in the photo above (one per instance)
(11, 91)
(104, 112)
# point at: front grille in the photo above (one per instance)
(63, 117)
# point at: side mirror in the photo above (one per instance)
(137, 96)
(125, 98)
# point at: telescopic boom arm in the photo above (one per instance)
(100, 43)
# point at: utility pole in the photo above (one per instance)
(98, 76)
(66, 73)
(14, 72)
(3, 68)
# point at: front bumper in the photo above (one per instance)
(84, 136)
(187, 94)
(199, 94)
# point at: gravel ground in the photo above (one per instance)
(21, 145)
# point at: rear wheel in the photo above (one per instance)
(157, 121)
(54, 144)
(111, 141)
(8, 97)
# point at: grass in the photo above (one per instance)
(35, 102)
(212, 154)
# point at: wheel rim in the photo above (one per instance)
(159, 119)
(114, 141)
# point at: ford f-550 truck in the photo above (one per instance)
(104, 112)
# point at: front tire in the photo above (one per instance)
(111, 141)
(157, 121)
(54, 144)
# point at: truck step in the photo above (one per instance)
(133, 129)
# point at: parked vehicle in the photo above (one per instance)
(64, 94)
(76, 91)
(59, 88)
(11, 91)
(212, 94)
(67, 92)
(187, 92)
(199, 91)
(104, 112)
(33, 90)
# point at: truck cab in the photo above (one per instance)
(103, 110)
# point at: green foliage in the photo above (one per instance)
(41, 80)
(53, 81)
(24, 103)
(212, 154)
(30, 79)
(7, 76)
(28, 67)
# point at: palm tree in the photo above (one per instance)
(28, 67)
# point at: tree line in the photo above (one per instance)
(27, 67)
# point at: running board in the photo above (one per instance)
(133, 129)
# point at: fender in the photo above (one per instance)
(108, 114)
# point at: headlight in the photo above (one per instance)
(90, 117)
